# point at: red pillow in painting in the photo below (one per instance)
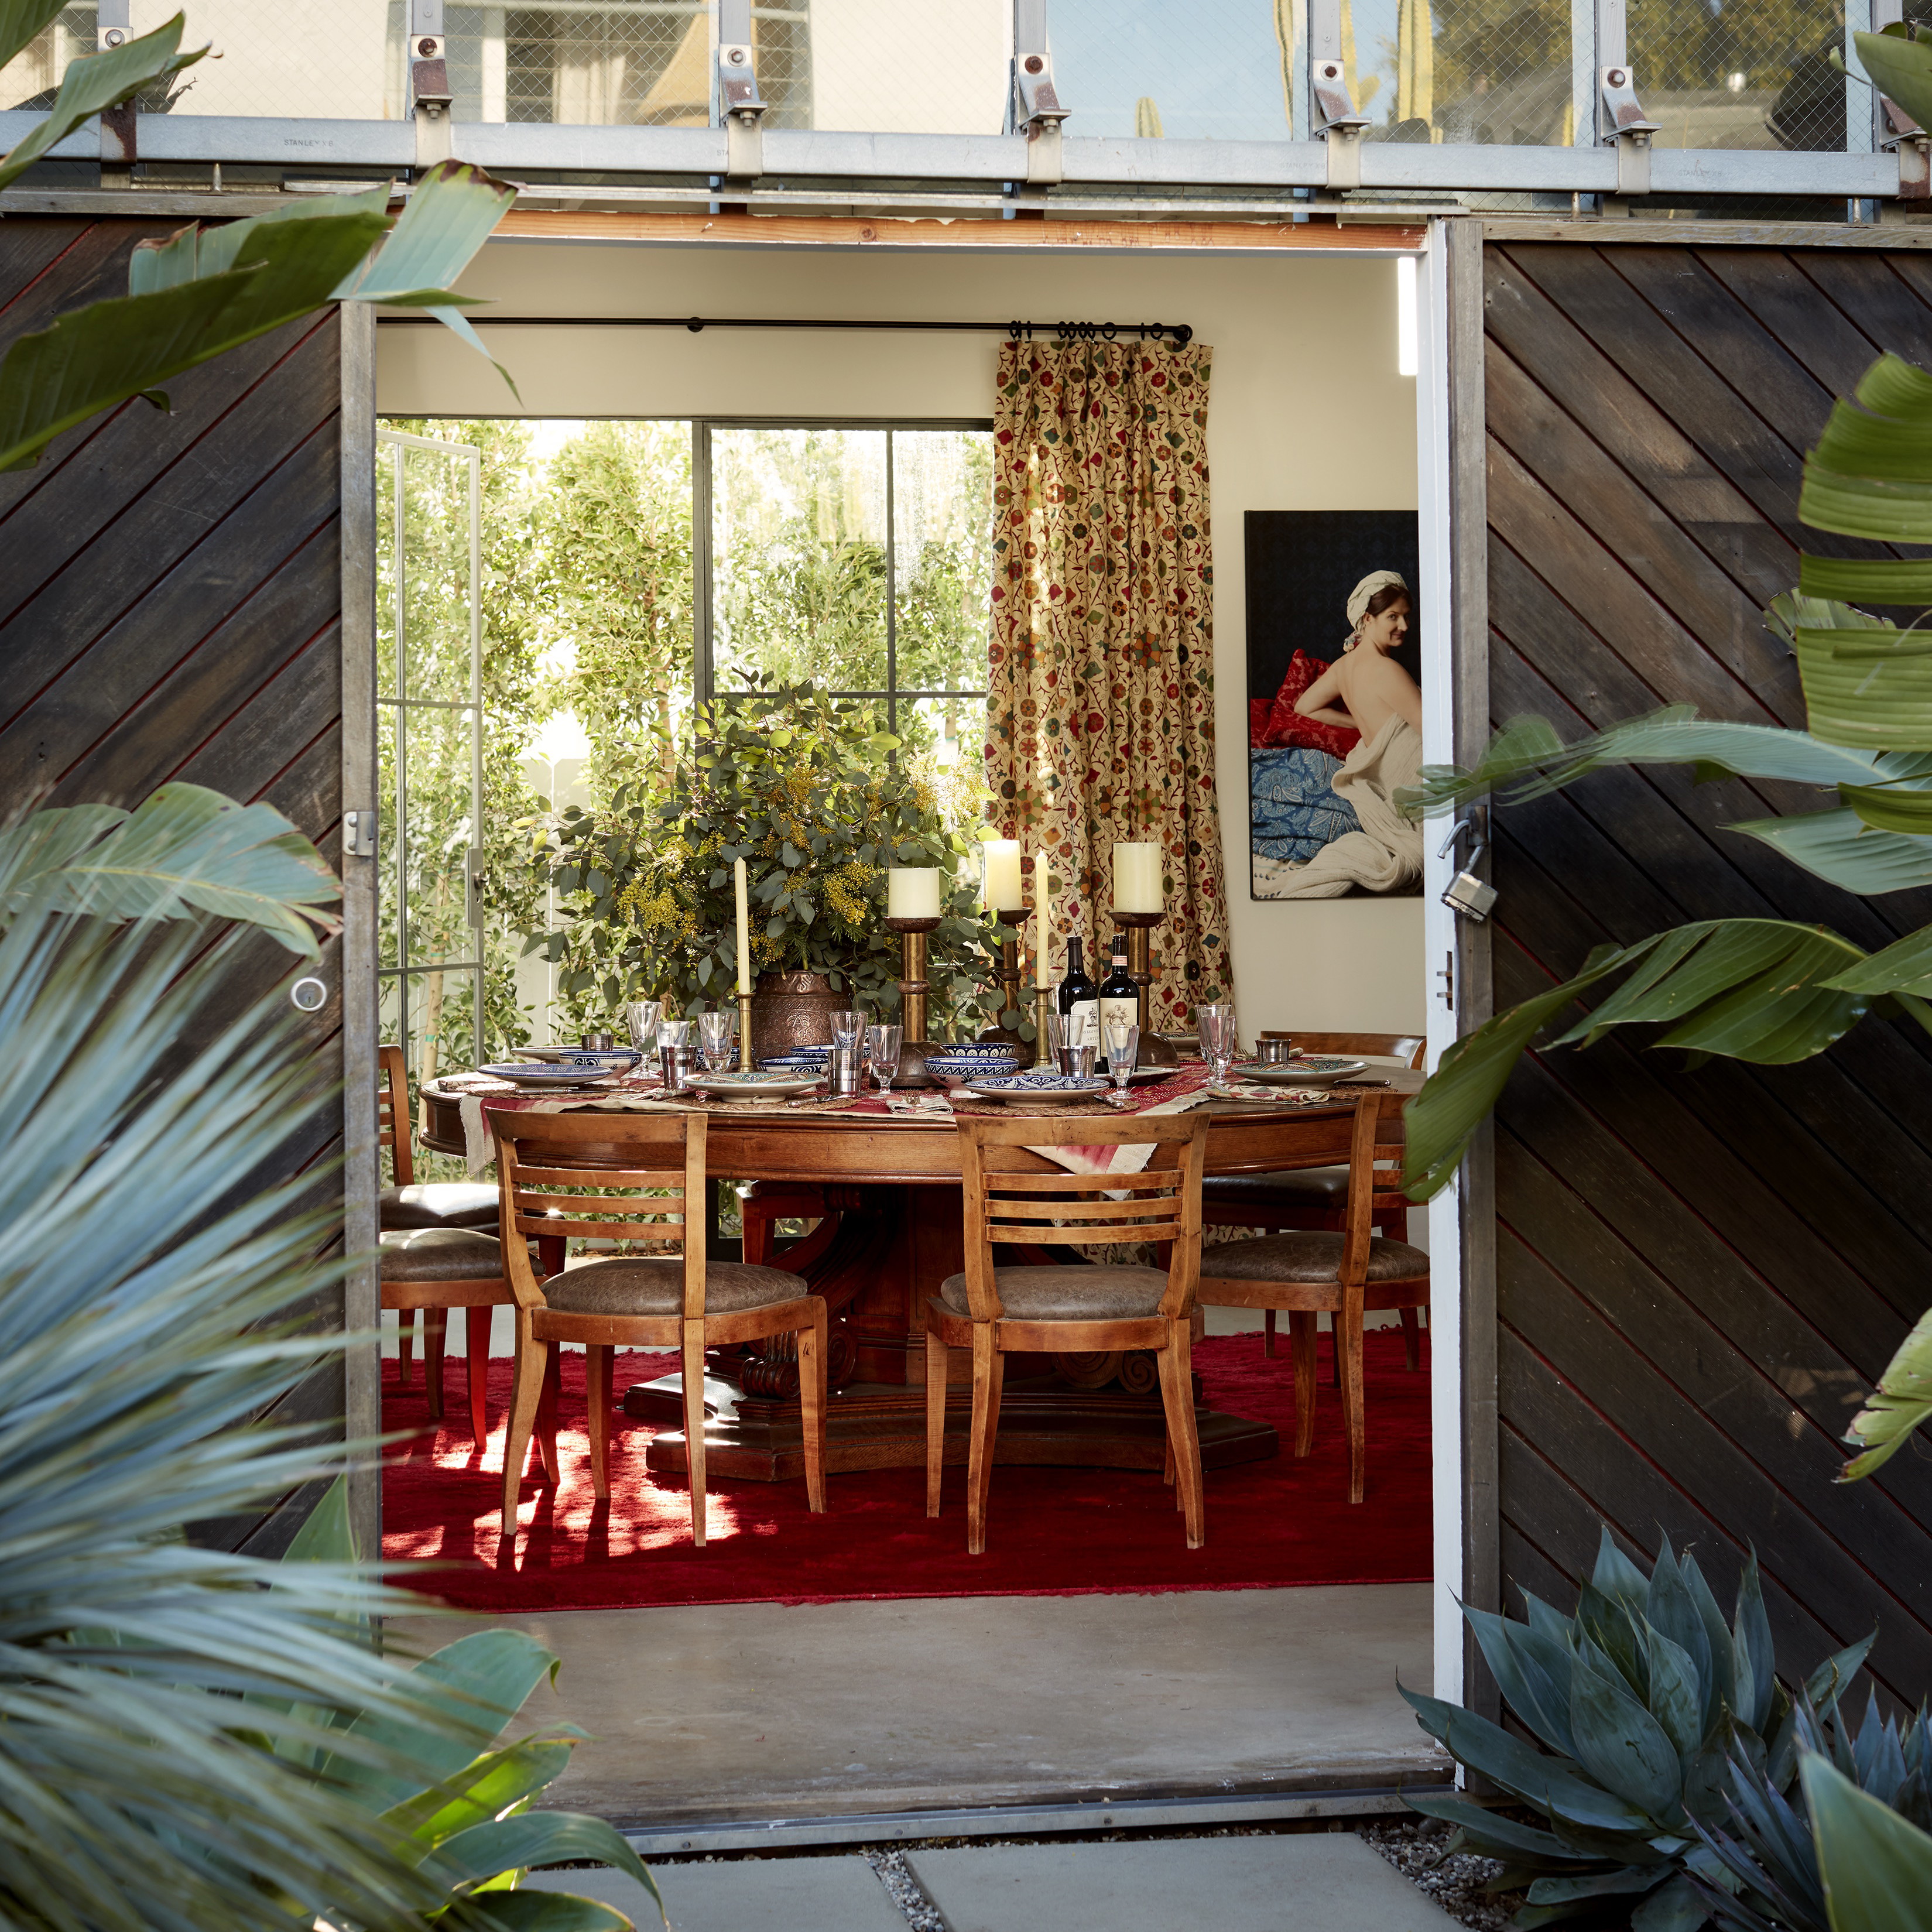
(1260, 711)
(1286, 726)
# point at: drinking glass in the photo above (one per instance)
(674, 1051)
(846, 1028)
(714, 1034)
(1124, 1053)
(1215, 1022)
(640, 1020)
(882, 1046)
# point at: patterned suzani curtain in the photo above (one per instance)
(1100, 714)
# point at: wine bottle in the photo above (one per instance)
(1120, 998)
(1079, 1000)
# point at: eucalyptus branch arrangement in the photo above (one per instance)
(812, 796)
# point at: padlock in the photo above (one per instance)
(1467, 895)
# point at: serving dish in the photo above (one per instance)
(548, 1079)
(1035, 1087)
(1317, 1070)
(768, 1084)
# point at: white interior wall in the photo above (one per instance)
(1306, 411)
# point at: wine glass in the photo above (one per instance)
(640, 1021)
(1216, 1023)
(882, 1048)
(714, 1036)
(1124, 1053)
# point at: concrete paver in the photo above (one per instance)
(1300, 1883)
(830, 1894)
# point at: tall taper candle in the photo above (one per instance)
(744, 927)
(1001, 892)
(1042, 912)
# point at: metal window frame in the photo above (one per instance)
(393, 713)
(705, 687)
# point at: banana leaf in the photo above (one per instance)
(1901, 68)
(1876, 1868)
(1902, 1401)
(95, 82)
(20, 20)
(1761, 990)
(544, 1912)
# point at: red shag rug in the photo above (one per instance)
(1051, 1531)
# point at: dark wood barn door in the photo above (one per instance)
(1697, 1273)
(171, 609)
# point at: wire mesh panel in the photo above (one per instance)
(633, 64)
(1740, 73)
(934, 67)
(1495, 72)
(1213, 69)
(32, 77)
(324, 59)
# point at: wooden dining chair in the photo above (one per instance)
(435, 1256)
(636, 1178)
(407, 1203)
(1014, 1195)
(1309, 1272)
(1318, 1197)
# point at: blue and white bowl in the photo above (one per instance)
(799, 1059)
(972, 1060)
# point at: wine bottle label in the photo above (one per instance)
(1128, 1012)
(1083, 1025)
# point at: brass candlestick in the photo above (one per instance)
(915, 987)
(1155, 1052)
(1007, 972)
(1043, 1005)
(745, 1033)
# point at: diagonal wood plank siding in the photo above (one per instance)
(1697, 1273)
(170, 608)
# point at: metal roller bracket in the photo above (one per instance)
(741, 108)
(1339, 122)
(1038, 115)
(1625, 123)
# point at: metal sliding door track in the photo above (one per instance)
(992, 1821)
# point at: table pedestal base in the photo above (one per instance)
(880, 1426)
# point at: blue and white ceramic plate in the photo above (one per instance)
(972, 1060)
(770, 1083)
(542, 1079)
(1035, 1087)
(797, 1056)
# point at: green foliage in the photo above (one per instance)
(1900, 66)
(1643, 1700)
(804, 791)
(198, 295)
(1902, 1401)
(103, 79)
(194, 1740)
(1877, 1867)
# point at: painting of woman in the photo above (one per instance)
(1364, 690)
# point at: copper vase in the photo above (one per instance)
(791, 1009)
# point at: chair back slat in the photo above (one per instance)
(1011, 1194)
(392, 1113)
(643, 1178)
(1408, 1048)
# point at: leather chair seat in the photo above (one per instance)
(1319, 1189)
(640, 1284)
(1308, 1258)
(439, 1204)
(440, 1254)
(1067, 1294)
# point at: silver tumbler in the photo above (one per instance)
(841, 1070)
(678, 1063)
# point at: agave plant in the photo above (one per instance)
(1644, 1699)
(1771, 1881)
(204, 292)
(191, 1738)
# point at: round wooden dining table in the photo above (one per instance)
(884, 1192)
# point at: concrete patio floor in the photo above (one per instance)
(700, 1716)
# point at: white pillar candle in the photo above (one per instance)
(912, 892)
(1137, 878)
(1042, 913)
(1002, 890)
(744, 927)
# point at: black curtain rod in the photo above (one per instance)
(1177, 335)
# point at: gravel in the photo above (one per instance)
(1454, 1882)
(920, 1913)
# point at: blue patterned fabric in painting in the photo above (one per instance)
(1295, 810)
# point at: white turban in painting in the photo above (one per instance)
(1359, 598)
